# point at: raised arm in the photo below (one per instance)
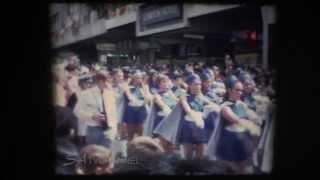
(159, 102)
(127, 92)
(146, 92)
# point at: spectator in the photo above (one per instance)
(95, 160)
(145, 157)
(97, 108)
(65, 122)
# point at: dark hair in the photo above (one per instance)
(100, 77)
(70, 68)
(93, 156)
(144, 146)
(230, 82)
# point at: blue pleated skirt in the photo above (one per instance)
(135, 115)
(234, 146)
(191, 134)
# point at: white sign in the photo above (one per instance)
(106, 46)
(193, 36)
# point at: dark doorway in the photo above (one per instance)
(272, 39)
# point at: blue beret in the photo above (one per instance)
(231, 81)
(204, 76)
(238, 71)
(175, 75)
(208, 71)
(244, 76)
(191, 78)
(187, 73)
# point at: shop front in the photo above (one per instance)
(207, 38)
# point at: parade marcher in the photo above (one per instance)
(151, 112)
(153, 81)
(191, 122)
(262, 106)
(118, 84)
(165, 100)
(194, 136)
(217, 87)
(249, 90)
(217, 75)
(229, 65)
(178, 84)
(207, 89)
(126, 74)
(96, 107)
(163, 103)
(254, 99)
(234, 145)
(138, 96)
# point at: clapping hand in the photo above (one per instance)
(197, 118)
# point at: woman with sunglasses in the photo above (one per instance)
(235, 142)
(249, 90)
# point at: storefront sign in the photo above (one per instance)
(106, 46)
(156, 16)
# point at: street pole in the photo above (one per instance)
(268, 17)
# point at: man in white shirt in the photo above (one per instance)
(96, 107)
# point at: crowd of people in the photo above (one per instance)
(161, 119)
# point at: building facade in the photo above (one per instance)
(123, 33)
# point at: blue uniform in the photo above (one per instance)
(168, 100)
(178, 91)
(234, 145)
(212, 96)
(190, 133)
(248, 99)
(132, 114)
